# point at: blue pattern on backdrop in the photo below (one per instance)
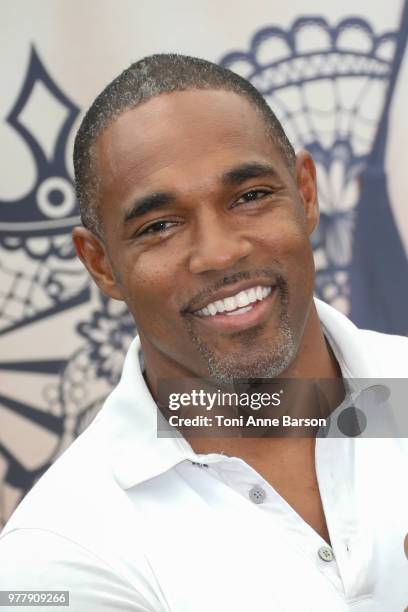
(39, 224)
(50, 207)
(42, 281)
(324, 89)
(379, 272)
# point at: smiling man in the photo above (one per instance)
(198, 214)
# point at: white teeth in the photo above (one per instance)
(230, 303)
(220, 305)
(243, 298)
(239, 303)
(213, 309)
(239, 311)
(252, 295)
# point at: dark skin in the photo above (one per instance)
(217, 224)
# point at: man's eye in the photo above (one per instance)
(156, 228)
(253, 195)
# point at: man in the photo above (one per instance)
(198, 214)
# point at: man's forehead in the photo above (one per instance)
(178, 104)
(218, 112)
(180, 127)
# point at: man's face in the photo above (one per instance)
(206, 230)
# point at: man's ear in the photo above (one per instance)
(307, 187)
(91, 251)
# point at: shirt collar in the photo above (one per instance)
(346, 343)
(343, 337)
(128, 419)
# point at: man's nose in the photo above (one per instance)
(217, 246)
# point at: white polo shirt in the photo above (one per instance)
(127, 521)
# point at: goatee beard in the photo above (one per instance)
(253, 360)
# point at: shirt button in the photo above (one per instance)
(325, 553)
(257, 495)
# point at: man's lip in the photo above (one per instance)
(258, 314)
(229, 291)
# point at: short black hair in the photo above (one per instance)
(143, 80)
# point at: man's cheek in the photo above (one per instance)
(154, 314)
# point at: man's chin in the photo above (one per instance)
(247, 364)
(264, 350)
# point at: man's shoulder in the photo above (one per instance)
(73, 494)
(34, 559)
(79, 515)
(389, 351)
(389, 341)
(372, 353)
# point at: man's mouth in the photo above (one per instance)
(237, 304)
(242, 310)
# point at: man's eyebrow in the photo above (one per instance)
(234, 176)
(148, 203)
(246, 171)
